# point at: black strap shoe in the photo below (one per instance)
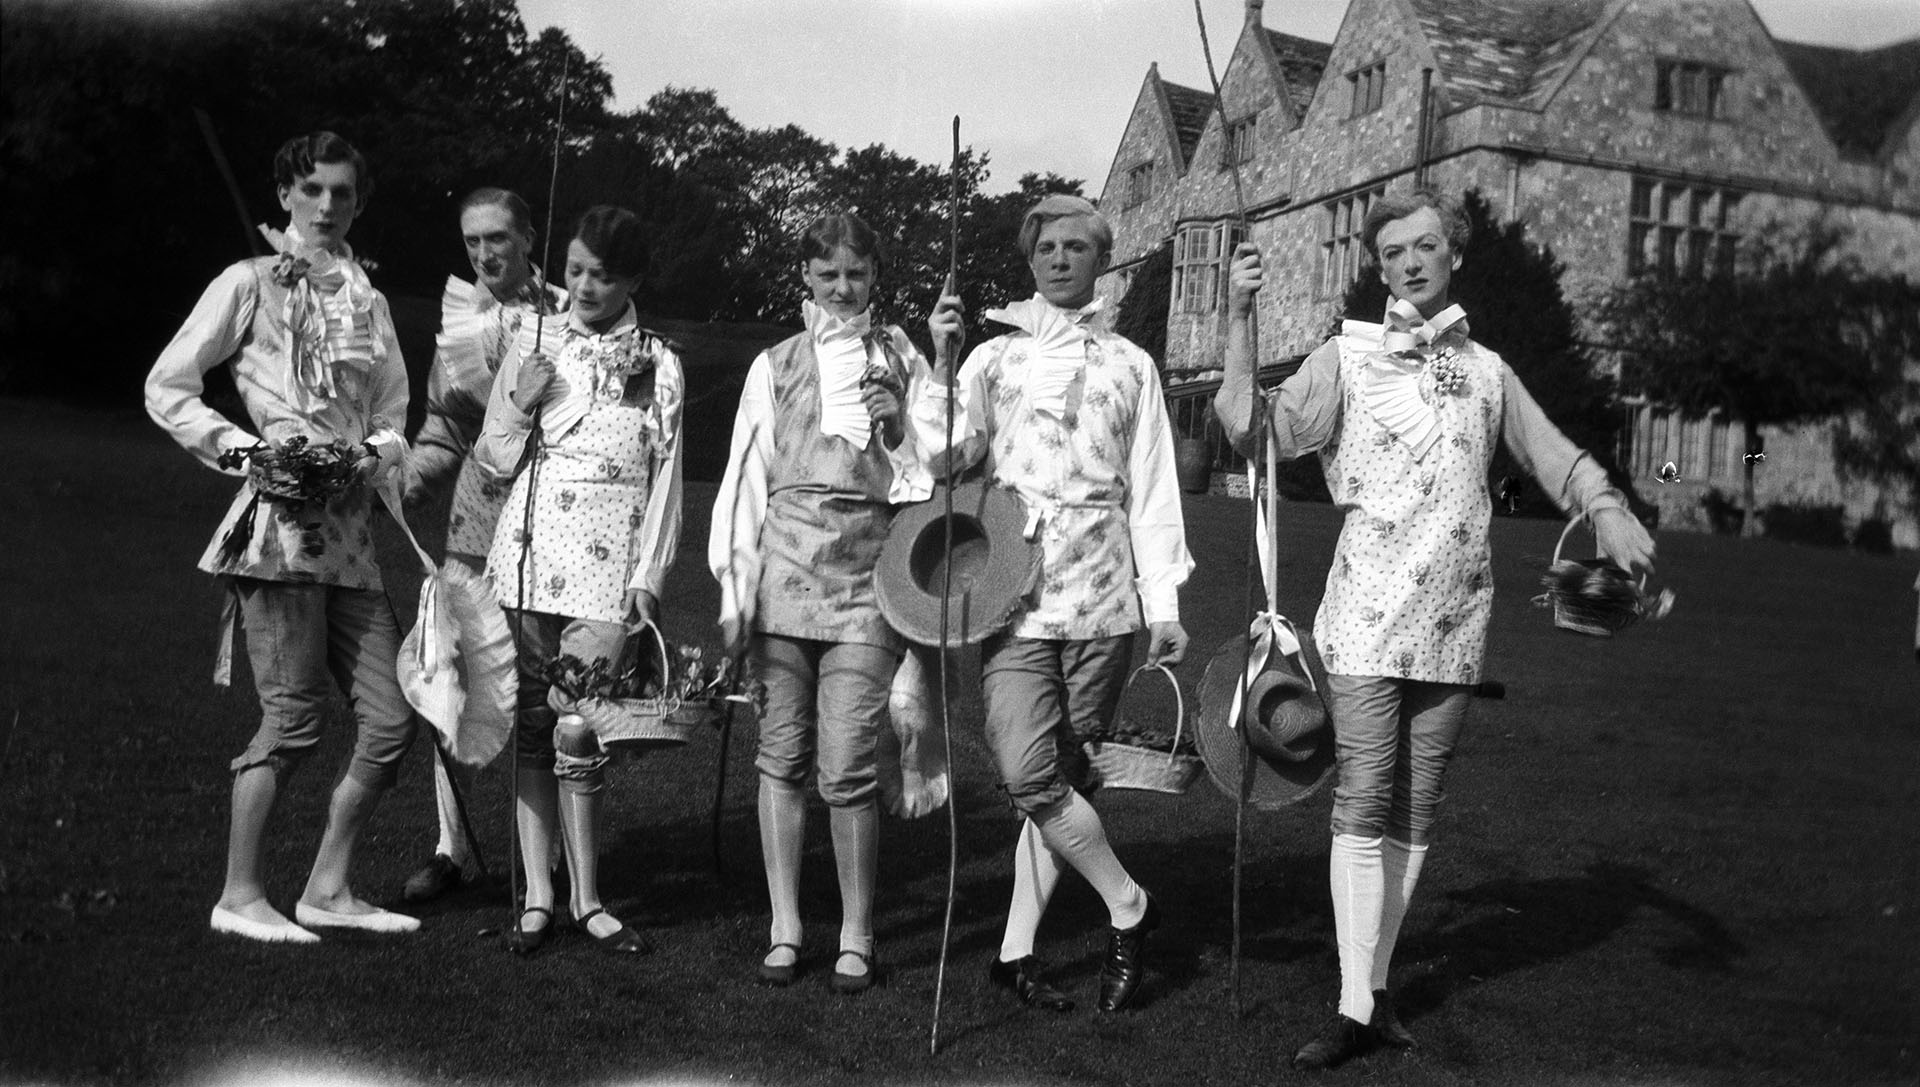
(1122, 969)
(1386, 1025)
(1026, 978)
(1339, 1041)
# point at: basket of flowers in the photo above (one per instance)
(1596, 597)
(640, 698)
(1133, 754)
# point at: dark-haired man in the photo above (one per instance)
(313, 353)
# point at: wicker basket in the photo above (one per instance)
(1125, 766)
(1594, 596)
(660, 720)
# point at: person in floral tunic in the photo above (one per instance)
(1404, 415)
(819, 461)
(312, 350)
(1072, 419)
(584, 542)
(479, 323)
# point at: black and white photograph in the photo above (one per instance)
(990, 543)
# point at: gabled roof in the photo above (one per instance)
(1302, 60)
(1505, 50)
(1189, 109)
(1860, 94)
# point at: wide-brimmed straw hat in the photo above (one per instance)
(1287, 729)
(456, 666)
(995, 566)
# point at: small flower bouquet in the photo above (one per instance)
(1448, 372)
(300, 470)
(705, 687)
(1128, 754)
(293, 473)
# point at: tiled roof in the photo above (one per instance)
(1505, 50)
(1190, 109)
(1859, 94)
(1301, 62)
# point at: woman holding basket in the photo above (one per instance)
(584, 543)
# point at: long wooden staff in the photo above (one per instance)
(946, 595)
(531, 465)
(1253, 546)
(226, 175)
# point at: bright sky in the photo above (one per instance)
(1038, 84)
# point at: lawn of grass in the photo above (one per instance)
(1689, 855)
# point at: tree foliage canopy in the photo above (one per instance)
(105, 171)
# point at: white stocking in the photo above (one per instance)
(1355, 878)
(1036, 872)
(1400, 865)
(1072, 829)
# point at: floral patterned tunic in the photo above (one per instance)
(362, 388)
(1099, 477)
(477, 332)
(605, 511)
(1411, 589)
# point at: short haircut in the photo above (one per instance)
(298, 156)
(614, 235)
(505, 199)
(843, 229)
(1453, 217)
(1062, 206)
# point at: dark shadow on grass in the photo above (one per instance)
(1523, 923)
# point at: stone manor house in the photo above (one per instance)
(1629, 135)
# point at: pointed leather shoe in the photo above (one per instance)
(1386, 1025)
(1026, 979)
(1122, 969)
(1336, 1043)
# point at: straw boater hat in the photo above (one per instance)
(1287, 728)
(995, 566)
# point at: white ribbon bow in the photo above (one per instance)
(1059, 352)
(1393, 375)
(840, 347)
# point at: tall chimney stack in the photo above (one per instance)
(1253, 12)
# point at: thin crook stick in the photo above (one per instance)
(1253, 547)
(531, 465)
(226, 175)
(946, 595)
(553, 185)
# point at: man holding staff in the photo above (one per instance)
(1071, 419)
(1404, 416)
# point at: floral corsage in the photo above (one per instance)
(1448, 372)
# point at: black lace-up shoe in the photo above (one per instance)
(1122, 969)
(1026, 978)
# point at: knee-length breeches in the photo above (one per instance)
(1393, 738)
(826, 704)
(1042, 698)
(302, 640)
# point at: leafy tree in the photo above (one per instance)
(1510, 288)
(1793, 338)
(112, 195)
(1143, 309)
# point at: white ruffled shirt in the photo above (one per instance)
(840, 346)
(1059, 352)
(1393, 391)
